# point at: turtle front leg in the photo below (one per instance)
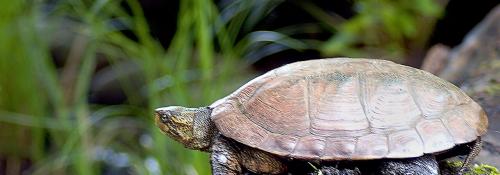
(424, 165)
(229, 157)
(224, 158)
(261, 162)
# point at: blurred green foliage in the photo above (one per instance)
(384, 29)
(45, 116)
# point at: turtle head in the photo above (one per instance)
(189, 126)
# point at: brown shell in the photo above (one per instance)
(333, 109)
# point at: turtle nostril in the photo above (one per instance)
(159, 111)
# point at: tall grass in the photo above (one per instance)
(45, 116)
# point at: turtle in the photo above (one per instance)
(328, 110)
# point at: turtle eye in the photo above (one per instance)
(163, 118)
(166, 116)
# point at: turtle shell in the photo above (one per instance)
(343, 108)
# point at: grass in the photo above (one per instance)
(45, 116)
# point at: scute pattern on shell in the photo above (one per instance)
(343, 108)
